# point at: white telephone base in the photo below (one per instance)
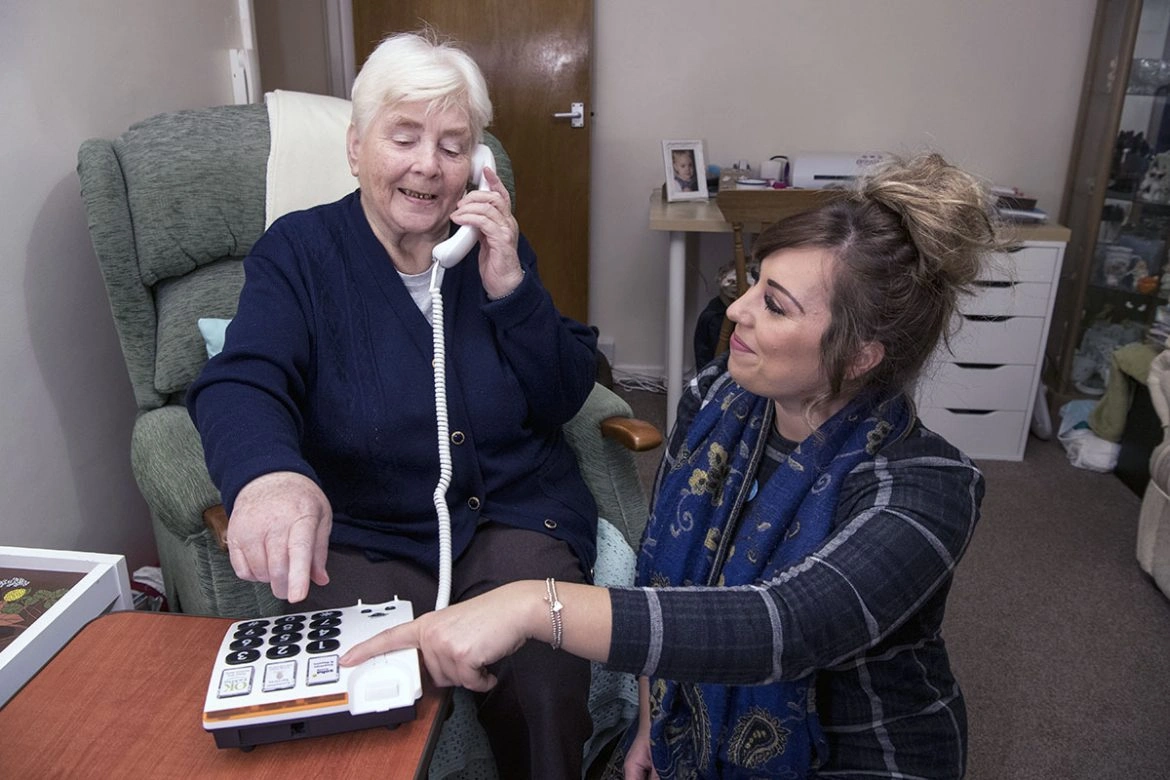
(279, 678)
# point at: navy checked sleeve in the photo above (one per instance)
(903, 522)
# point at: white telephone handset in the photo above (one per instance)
(445, 255)
(455, 248)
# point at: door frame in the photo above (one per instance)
(339, 46)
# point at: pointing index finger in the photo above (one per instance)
(399, 637)
(301, 547)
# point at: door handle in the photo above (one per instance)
(576, 113)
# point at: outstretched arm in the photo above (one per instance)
(459, 642)
(908, 523)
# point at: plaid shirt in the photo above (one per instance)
(863, 614)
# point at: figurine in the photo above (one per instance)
(1155, 187)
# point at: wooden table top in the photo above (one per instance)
(754, 208)
(757, 208)
(125, 699)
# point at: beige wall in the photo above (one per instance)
(994, 85)
(71, 70)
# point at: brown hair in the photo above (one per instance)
(909, 238)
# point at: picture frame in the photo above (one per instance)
(102, 584)
(685, 167)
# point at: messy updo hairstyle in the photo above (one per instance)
(418, 68)
(909, 239)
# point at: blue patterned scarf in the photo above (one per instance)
(764, 730)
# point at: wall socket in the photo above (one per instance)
(606, 347)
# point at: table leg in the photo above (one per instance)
(675, 308)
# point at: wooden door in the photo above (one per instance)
(535, 55)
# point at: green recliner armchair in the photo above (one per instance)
(174, 204)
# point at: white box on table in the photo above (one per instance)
(104, 586)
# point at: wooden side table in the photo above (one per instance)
(103, 585)
(125, 699)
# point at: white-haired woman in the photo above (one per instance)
(318, 418)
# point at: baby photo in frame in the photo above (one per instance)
(686, 170)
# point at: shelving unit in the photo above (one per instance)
(1114, 276)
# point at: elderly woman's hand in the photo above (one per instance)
(279, 533)
(490, 211)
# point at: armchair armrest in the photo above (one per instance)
(216, 520)
(168, 464)
(167, 458)
(631, 433)
(608, 467)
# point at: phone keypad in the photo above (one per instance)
(278, 643)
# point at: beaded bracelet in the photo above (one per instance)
(554, 612)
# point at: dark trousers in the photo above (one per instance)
(537, 716)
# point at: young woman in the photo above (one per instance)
(795, 570)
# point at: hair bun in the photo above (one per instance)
(948, 212)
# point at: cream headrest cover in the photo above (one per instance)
(307, 163)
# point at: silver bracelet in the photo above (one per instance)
(554, 612)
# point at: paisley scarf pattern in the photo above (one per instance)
(695, 537)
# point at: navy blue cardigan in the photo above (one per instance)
(326, 371)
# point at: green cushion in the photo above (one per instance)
(195, 198)
(208, 291)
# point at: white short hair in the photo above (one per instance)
(413, 68)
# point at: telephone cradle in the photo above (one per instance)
(279, 678)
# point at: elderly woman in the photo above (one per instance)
(806, 525)
(318, 417)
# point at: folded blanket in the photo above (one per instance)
(307, 163)
(1129, 363)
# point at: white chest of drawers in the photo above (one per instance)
(979, 395)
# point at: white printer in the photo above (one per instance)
(818, 170)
